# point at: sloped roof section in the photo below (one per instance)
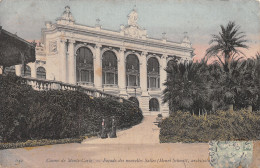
(15, 50)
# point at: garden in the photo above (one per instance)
(217, 98)
(59, 116)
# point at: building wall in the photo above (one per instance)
(60, 42)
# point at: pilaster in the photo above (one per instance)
(71, 62)
(98, 67)
(63, 59)
(143, 73)
(163, 73)
(122, 73)
(33, 70)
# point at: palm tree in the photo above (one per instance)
(257, 81)
(185, 87)
(226, 45)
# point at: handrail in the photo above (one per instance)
(44, 84)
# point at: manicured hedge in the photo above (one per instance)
(222, 126)
(42, 142)
(26, 114)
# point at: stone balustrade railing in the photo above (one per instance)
(43, 84)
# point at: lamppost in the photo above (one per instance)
(135, 86)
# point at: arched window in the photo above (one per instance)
(109, 68)
(153, 73)
(26, 71)
(135, 100)
(132, 70)
(154, 104)
(10, 70)
(84, 66)
(41, 73)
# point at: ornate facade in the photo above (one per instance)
(126, 62)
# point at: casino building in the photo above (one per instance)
(127, 62)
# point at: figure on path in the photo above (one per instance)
(113, 130)
(104, 129)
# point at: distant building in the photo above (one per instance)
(126, 62)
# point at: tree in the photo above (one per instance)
(226, 45)
(185, 87)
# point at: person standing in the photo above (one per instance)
(104, 129)
(113, 130)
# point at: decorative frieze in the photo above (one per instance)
(53, 47)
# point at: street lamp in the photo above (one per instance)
(135, 86)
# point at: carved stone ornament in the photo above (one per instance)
(186, 40)
(132, 29)
(67, 15)
(132, 18)
(53, 46)
(230, 153)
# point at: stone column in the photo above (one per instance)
(163, 73)
(18, 70)
(71, 62)
(98, 67)
(122, 73)
(163, 77)
(33, 70)
(63, 59)
(143, 74)
(144, 100)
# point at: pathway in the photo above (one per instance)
(136, 147)
(144, 133)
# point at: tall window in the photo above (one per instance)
(109, 68)
(132, 70)
(10, 70)
(26, 71)
(41, 73)
(153, 73)
(84, 66)
(154, 104)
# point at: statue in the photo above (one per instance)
(132, 29)
(132, 18)
(67, 15)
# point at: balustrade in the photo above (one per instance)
(43, 84)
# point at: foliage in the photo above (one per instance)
(226, 45)
(186, 86)
(56, 114)
(42, 142)
(198, 87)
(221, 126)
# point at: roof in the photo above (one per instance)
(12, 49)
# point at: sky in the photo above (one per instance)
(200, 18)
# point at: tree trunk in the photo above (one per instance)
(230, 107)
(3, 70)
(249, 108)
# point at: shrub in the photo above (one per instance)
(222, 126)
(26, 114)
(42, 142)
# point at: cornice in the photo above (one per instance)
(100, 34)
